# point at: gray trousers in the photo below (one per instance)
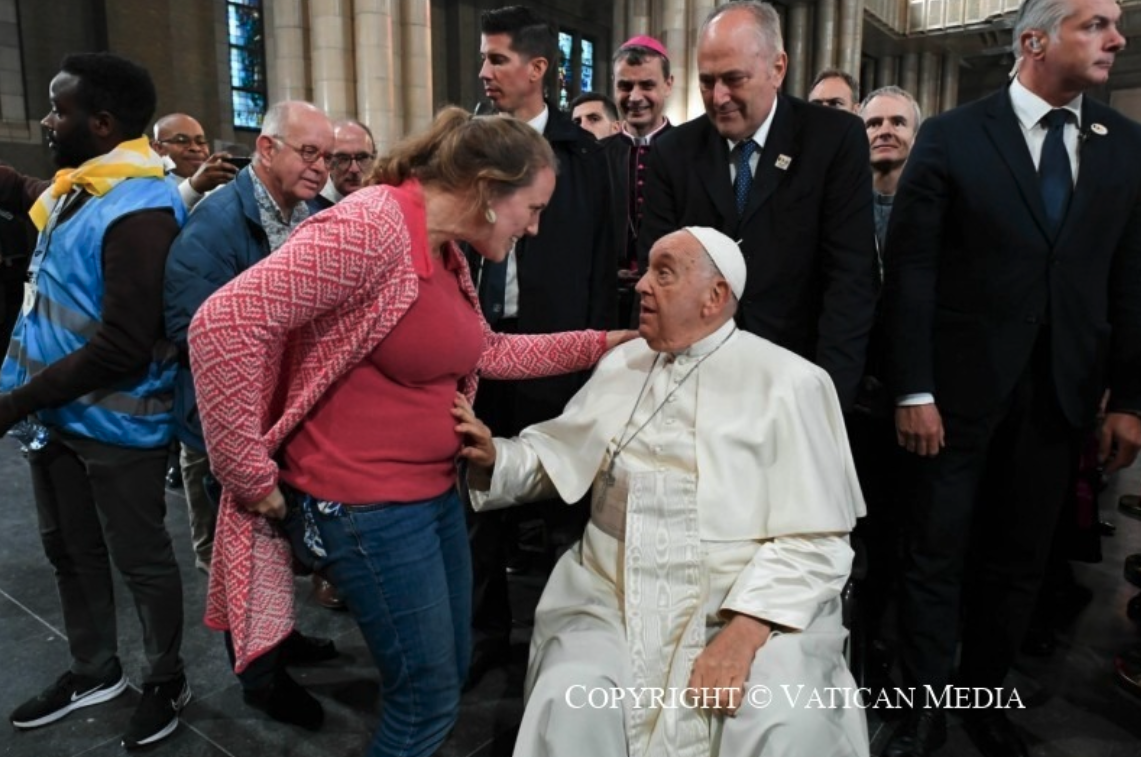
(195, 465)
(97, 504)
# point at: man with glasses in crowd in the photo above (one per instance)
(182, 143)
(234, 228)
(354, 151)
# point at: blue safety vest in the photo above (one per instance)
(67, 271)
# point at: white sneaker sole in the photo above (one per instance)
(96, 697)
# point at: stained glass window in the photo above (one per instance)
(247, 62)
(566, 64)
(587, 66)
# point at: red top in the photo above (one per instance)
(384, 432)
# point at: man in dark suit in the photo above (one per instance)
(562, 279)
(789, 179)
(1013, 298)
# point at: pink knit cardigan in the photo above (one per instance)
(269, 344)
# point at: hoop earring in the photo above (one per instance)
(489, 214)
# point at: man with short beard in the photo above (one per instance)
(89, 362)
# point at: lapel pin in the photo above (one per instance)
(783, 162)
(1098, 129)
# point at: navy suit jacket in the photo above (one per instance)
(973, 273)
(808, 232)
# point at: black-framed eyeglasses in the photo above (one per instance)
(183, 140)
(307, 153)
(344, 160)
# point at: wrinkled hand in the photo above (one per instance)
(272, 507)
(214, 172)
(615, 338)
(1120, 440)
(919, 429)
(477, 447)
(722, 669)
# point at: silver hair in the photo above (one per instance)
(766, 20)
(893, 91)
(1044, 15)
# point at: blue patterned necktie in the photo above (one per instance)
(744, 180)
(1055, 178)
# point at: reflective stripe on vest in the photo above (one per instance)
(134, 412)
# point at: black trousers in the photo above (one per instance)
(100, 504)
(982, 527)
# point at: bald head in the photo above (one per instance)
(181, 138)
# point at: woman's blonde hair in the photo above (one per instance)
(489, 156)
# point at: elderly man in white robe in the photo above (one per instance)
(700, 613)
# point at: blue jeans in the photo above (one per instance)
(404, 570)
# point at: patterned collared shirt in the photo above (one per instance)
(276, 227)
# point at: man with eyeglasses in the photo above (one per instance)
(354, 151)
(235, 227)
(182, 143)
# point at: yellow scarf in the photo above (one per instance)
(129, 160)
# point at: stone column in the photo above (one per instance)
(676, 38)
(799, 61)
(886, 71)
(849, 57)
(826, 18)
(290, 79)
(928, 95)
(909, 73)
(949, 94)
(376, 49)
(619, 33)
(331, 50)
(416, 63)
(639, 20)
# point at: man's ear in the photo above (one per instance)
(538, 67)
(717, 299)
(264, 147)
(103, 125)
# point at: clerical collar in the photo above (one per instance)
(708, 343)
(1029, 108)
(762, 133)
(642, 141)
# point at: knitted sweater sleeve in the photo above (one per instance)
(523, 356)
(238, 338)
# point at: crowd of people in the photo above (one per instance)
(717, 354)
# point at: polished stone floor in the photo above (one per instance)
(1072, 709)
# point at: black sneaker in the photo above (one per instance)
(156, 717)
(69, 692)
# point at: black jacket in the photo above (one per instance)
(808, 233)
(973, 274)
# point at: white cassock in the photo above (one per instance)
(733, 491)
